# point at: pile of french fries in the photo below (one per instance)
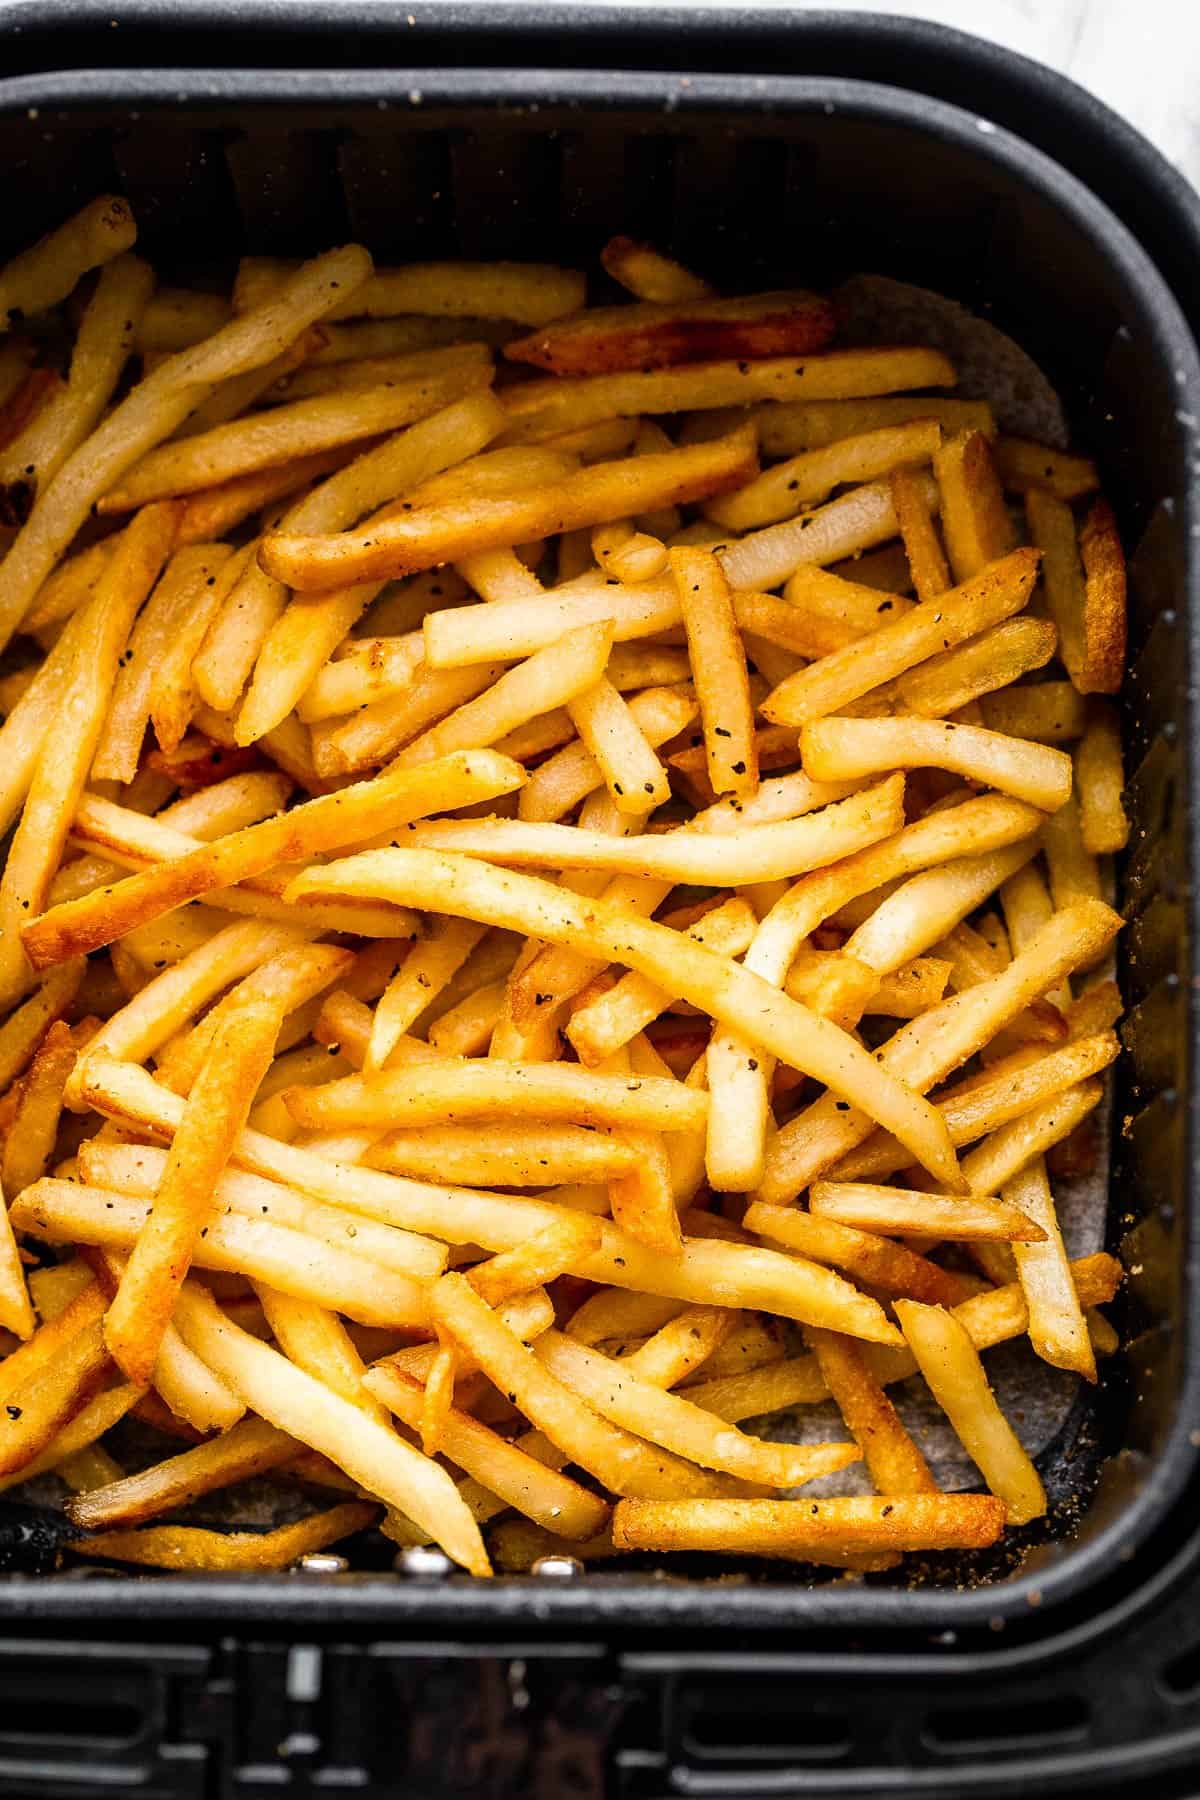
(554, 907)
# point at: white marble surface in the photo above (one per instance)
(1140, 56)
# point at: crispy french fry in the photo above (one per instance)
(1058, 1329)
(975, 520)
(844, 749)
(992, 660)
(38, 278)
(1022, 464)
(421, 539)
(684, 329)
(649, 275)
(811, 477)
(1084, 580)
(514, 1153)
(249, 1448)
(29, 1142)
(240, 1054)
(811, 1528)
(785, 427)
(894, 1463)
(1100, 783)
(889, 1267)
(528, 293)
(904, 1210)
(718, 662)
(922, 546)
(951, 1366)
(562, 781)
(857, 520)
(1052, 712)
(191, 1547)
(37, 1409)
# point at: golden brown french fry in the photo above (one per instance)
(1100, 783)
(975, 521)
(811, 1528)
(1052, 712)
(844, 749)
(427, 968)
(29, 1141)
(733, 995)
(38, 1407)
(103, 343)
(16, 1310)
(1022, 464)
(810, 477)
(983, 600)
(1058, 1329)
(194, 1547)
(81, 1306)
(544, 408)
(684, 329)
(894, 1463)
(512, 1153)
(891, 1268)
(562, 781)
(905, 1210)
(649, 275)
(547, 1254)
(518, 627)
(951, 1366)
(249, 1448)
(528, 293)
(857, 520)
(922, 546)
(384, 804)
(92, 1420)
(992, 660)
(38, 278)
(240, 1054)
(718, 662)
(608, 728)
(1084, 580)
(780, 848)
(422, 538)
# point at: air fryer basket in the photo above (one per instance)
(755, 179)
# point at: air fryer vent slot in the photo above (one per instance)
(968, 1730)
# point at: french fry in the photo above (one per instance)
(1073, 871)
(1100, 783)
(855, 521)
(1058, 1329)
(372, 669)
(378, 729)
(315, 1340)
(718, 662)
(805, 1528)
(192, 1547)
(37, 1409)
(735, 996)
(1022, 464)
(673, 1421)
(992, 660)
(905, 1210)
(220, 1100)
(81, 1432)
(922, 546)
(528, 293)
(680, 1346)
(782, 847)
(631, 555)
(29, 1142)
(1004, 1151)
(426, 969)
(104, 342)
(1084, 580)
(512, 1154)
(623, 1462)
(62, 768)
(786, 427)
(951, 1366)
(838, 749)
(1052, 712)
(687, 329)
(543, 408)
(894, 1463)
(457, 1089)
(264, 439)
(608, 728)
(994, 594)
(152, 411)
(649, 275)
(562, 781)
(811, 477)
(249, 1448)
(552, 677)
(889, 1267)
(38, 278)
(422, 538)
(386, 803)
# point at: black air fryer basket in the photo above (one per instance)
(764, 147)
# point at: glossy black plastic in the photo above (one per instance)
(775, 145)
